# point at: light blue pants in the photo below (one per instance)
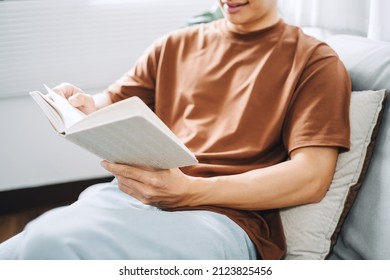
(109, 224)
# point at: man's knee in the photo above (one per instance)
(45, 238)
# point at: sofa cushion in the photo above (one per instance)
(312, 229)
(365, 233)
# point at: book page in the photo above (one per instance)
(134, 141)
(69, 114)
(50, 109)
(120, 110)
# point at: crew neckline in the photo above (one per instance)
(250, 36)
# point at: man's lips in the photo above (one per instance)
(233, 8)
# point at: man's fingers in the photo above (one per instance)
(66, 90)
(76, 97)
(120, 169)
(82, 99)
(131, 172)
(62, 91)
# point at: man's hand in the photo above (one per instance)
(162, 188)
(77, 97)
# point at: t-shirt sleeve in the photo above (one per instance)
(141, 79)
(319, 112)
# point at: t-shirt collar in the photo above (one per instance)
(251, 36)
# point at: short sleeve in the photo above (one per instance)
(318, 114)
(141, 79)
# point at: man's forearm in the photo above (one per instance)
(304, 179)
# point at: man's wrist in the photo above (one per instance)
(194, 191)
(200, 191)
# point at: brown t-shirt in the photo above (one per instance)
(244, 101)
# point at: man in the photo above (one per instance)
(264, 108)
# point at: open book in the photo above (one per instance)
(125, 132)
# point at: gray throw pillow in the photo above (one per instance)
(311, 230)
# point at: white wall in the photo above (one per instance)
(87, 42)
(368, 18)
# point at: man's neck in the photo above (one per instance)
(262, 23)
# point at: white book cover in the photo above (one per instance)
(126, 132)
